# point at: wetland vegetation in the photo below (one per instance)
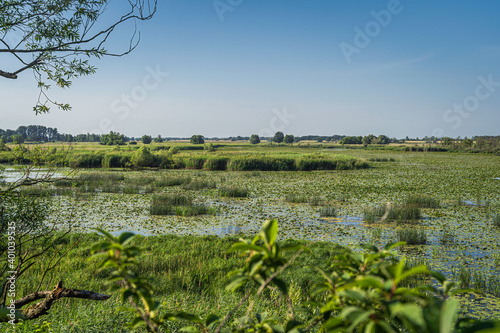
(444, 205)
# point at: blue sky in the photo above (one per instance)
(419, 68)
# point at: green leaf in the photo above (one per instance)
(413, 271)
(106, 234)
(332, 323)
(369, 247)
(448, 316)
(189, 317)
(408, 312)
(438, 276)
(357, 295)
(189, 329)
(291, 325)
(211, 319)
(244, 247)
(125, 237)
(270, 231)
(391, 246)
(358, 318)
(237, 282)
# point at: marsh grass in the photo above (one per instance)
(65, 183)
(405, 214)
(327, 211)
(96, 177)
(467, 277)
(199, 185)
(422, 201)
(190, 273)
(376, 233)
(193, 210)
(296, 198)
(179, 205)
(252, 174)
(233, 192)
(447, 238)
(313, 200)
(370, 216)
(140, 180)
(397, 213)
(496, 220)
(381, 159)
(165, 182)
(45, 192)
(412, 236)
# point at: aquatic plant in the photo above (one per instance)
(412, 236)
(233, 192)
(422, 201)
(354, 295)
(496, 220)
(327, 211)
(199, 184)
(174, 181)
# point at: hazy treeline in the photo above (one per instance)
(41, 133)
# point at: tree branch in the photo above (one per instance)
(50, 297)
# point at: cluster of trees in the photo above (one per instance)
(476, 144)
(112, 139)
(366, 140)
(279, 137)
(39, 133)
(197, 140)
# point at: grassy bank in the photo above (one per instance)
(186, 272)
(146, 157)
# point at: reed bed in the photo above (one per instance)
(412, 236)
(233, 192)
(328, 211)
(422, 201)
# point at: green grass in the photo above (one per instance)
(189, 273)
(199, 185)
(233, 192)
(327, 211)
(422, 201)
(44, 192)
(172, 181)
(179, 205)
(412, 236)
(140, 180)
(496, 220)
(381, 159)
(96, 177)
(400, 214)
(313, 200)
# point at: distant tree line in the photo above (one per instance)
(39, 133)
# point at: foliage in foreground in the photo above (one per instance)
(363, 293)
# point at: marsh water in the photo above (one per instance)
(460, 234)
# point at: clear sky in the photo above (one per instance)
(238, 67)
